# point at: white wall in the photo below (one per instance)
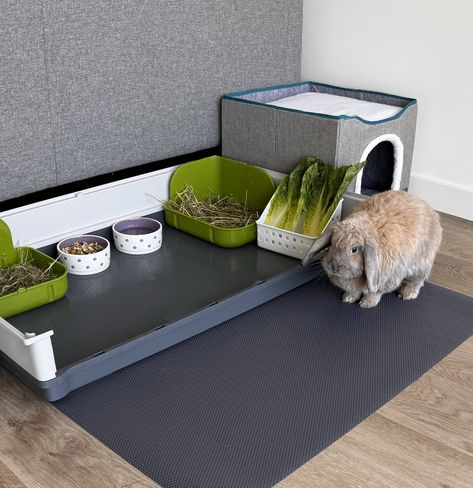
(416, 48)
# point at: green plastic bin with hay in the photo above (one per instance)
(223, 178)
(20, 269)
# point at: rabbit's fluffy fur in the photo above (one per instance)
(389, 243)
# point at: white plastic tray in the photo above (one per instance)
(287, 242)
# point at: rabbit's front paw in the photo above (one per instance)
(410, 290)
(371, 300)
(348, 297)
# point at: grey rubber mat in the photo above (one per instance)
(246, 403)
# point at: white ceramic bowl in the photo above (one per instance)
(85, 264)
(140, 235)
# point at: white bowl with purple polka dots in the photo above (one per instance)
(140, 235)
(85, 264)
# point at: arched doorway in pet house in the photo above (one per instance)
(384, 158)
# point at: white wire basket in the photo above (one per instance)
(287, 242)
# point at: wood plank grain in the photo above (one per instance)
(382, 453)
(140, 484)
(438, 408)
(453, 266)
(8, 479)
(454, 273)
(425, 460)
(346, 464)
(458, 366)
(461, 247)
(43, 448)
(452, 225)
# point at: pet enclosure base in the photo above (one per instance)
(144, 304)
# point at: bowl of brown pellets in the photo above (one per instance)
(84, 254)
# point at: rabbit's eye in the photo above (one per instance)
(355, 249)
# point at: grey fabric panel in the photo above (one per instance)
(91, 87)
(245, 404)
(354, 136)
(408, 134)
(26, 148)
(248, 133)
(140, 81)
(299, 135)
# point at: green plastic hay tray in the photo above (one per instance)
(222, 176)
(34, 296)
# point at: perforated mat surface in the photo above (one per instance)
(248, 402)
(139, 293)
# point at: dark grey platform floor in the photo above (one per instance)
(246, 403)
(139, 293)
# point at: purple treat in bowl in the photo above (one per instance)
(140, 235)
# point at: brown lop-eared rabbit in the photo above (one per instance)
(388, 243)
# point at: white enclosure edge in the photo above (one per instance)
(34, 353)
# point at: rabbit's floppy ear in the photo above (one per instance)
(320, 243)
(372, 264)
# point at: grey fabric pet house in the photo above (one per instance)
(256, 130)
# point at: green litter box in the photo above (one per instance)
(222, 176)
(34, 296)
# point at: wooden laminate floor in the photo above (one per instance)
(421, 438)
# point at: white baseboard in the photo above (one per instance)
(443, 196)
